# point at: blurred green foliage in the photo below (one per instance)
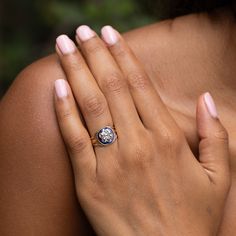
(28, 28)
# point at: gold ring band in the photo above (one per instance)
(104, 137)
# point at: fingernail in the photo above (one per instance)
(85, 33)
(109, 35)
(65, 44)
(210, 105)
(60, 87)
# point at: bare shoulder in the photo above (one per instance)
(29, 100)
(40, 73)
(36, 181)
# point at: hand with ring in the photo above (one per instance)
(135, 173)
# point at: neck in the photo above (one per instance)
(198, 49)
(188, 56)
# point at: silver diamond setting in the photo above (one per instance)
(106, 136)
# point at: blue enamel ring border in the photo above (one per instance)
(106, 144)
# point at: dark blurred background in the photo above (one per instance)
(28, 28)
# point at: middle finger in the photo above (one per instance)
(109, 77)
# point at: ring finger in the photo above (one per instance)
(91, 100)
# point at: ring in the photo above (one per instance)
(104, 137)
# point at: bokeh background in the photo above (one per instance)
(28, 28)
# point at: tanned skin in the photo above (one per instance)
(184, 57)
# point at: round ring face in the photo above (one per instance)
(106, 136)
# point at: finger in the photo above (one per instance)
(91, 100)
(147, 101)
(213, 147)
(109, 78)
(73, 132)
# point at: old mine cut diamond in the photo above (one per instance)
(106, 136)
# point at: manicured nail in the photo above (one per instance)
(109, 35)
(65, 44)
(210, 105)
(85, 33)
(60, 87)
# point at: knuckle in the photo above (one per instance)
(95, 106)
(113, 83)
(65, 114)
(140, 152)
(93, 47)
(221, 134)
(171, 138)
(138, 80)
(141, 157)
(96, 195)
(75, 65)
(90, 192)
(119, 51)
(77, 144)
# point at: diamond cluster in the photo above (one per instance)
(106, 136)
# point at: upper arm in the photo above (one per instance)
(36, 181)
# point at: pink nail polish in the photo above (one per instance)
(109, 35)
(60, 87)
(210, 105)
(85, 33)
(65, 44)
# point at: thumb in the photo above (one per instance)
(213, 147)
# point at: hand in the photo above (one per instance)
(147, 182)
